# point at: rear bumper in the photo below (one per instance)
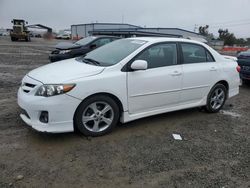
(232, 92)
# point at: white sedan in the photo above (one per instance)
(126, 80)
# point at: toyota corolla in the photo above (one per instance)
(123, 81)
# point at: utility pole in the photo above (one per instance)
(122, 18)
(195, 27)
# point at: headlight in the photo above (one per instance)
(64, 51)
(51, 90)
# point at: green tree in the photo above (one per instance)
(241, 42)
(227, 37)
(248, 41)
(203, 30)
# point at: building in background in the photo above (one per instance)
(217, 44)
(128, 30)
(83, 30)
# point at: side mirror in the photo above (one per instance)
(139, 65)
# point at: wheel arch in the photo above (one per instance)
(115, 98)
(225, 83)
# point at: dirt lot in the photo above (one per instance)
(215, 151)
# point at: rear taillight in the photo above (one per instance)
(238, 68)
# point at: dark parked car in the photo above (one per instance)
(244, 63)
(66, 50)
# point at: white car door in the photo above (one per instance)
(158, 86)
(199, 72)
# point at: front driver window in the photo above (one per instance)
(160, 55)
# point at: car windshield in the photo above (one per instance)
(85, 41)
(114, 52)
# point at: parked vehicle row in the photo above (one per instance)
(66, 50)
(123, 81)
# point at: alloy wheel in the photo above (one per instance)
(97, 116)
(217, 98)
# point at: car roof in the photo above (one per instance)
(166, 39)
(108, 36)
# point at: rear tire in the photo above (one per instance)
(216, 98)
(13, 39)
(97, 116)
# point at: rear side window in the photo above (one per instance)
(193, 53)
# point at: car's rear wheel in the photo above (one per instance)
(216, 98)
(97, 116)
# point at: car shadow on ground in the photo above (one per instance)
(246, 85)
(161, 121)
(152, 122)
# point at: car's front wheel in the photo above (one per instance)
(216, 98)
(97, 115)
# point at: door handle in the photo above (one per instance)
(213, 69)
(176, 73)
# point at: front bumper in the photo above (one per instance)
(61, 109)
(245, 75)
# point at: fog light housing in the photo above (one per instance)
(44, 117)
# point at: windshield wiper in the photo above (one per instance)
(92, 61)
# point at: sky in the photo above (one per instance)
(185, 14)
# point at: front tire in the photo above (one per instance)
(97, 115)
(216, 98)
(27, 39)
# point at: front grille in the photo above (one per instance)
(30, 85)
(246, 68)
(27, 87)
(245, 76)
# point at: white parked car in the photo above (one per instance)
(63, 36)
(126, 80)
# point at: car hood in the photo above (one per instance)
(66, 46)
(64, 71)
(247, 54)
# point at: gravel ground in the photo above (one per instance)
(214, 152)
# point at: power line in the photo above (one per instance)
(213, 24)
(230, 25)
